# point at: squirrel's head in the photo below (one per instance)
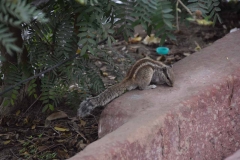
(163, 75)
(168, 75)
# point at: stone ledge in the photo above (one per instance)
(198, 118)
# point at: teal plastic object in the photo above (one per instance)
(162, 50)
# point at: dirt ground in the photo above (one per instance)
(30, 134)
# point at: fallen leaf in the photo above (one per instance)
(82, 123)
(204, 22)
(61, 129)
(62, 154)
(160, 58)
(198, 48)
(124, 48)
(33, 126)
(42, 148)
(81, 145)
(186, 54)
(6, 142)
(104, 68)
(111, 77)
(98, 64)
(72, 142)
(121, 60)
(151, 40)
(25, 120)
(18, 112)
(60, 141)
(134, 48)
(105, 74)
(57, 115)
(134, 39)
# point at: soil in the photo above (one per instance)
(30, 134)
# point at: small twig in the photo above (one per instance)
(55, 130)
(50, 147)
(78, 132)
(95, 119)
(187, 9)
(14, 154)
(177, 24)
(32, 104)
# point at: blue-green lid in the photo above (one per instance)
(162, 50)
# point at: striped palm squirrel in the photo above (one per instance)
(140, 75)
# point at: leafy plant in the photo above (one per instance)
(209, 8)
(163, 20)
(49, 46)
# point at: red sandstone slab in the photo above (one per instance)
(199, 118)
(235, 156)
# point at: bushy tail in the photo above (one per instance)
(104, 98)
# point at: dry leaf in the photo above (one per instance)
(111, 77)
(104, 68)
(62, 154)
(151, 40)
(72, 142)
(61, 129)
(6, 142)
(25, 120)
(5, 136)
(134, 48)
(82, 123)
(121, 60)
(18, 112)
(57, 115)
(33, 126)
(124, 48)
(42, 148)
(134, 39)
(105, 74)
(159, 58)
(198, 48)
(204, 22)
(60, 141)
(81, 145)
(98, 64)
(186, 54)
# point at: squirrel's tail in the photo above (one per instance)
(104, 98)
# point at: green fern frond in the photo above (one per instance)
(7, 40)
(163, 19)
(124, 17)
(143, 10)
(208, 8)
(13, 75)
(14, 13)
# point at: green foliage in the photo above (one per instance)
(143, 10)
(56, 30)
(15, 13)
(208, 8)
(13, 75)
(163, 20)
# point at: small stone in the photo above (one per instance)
(124, 48)
(111, 77)
(98, 64)
(186, 54)
(105, 74)
(104, 68)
